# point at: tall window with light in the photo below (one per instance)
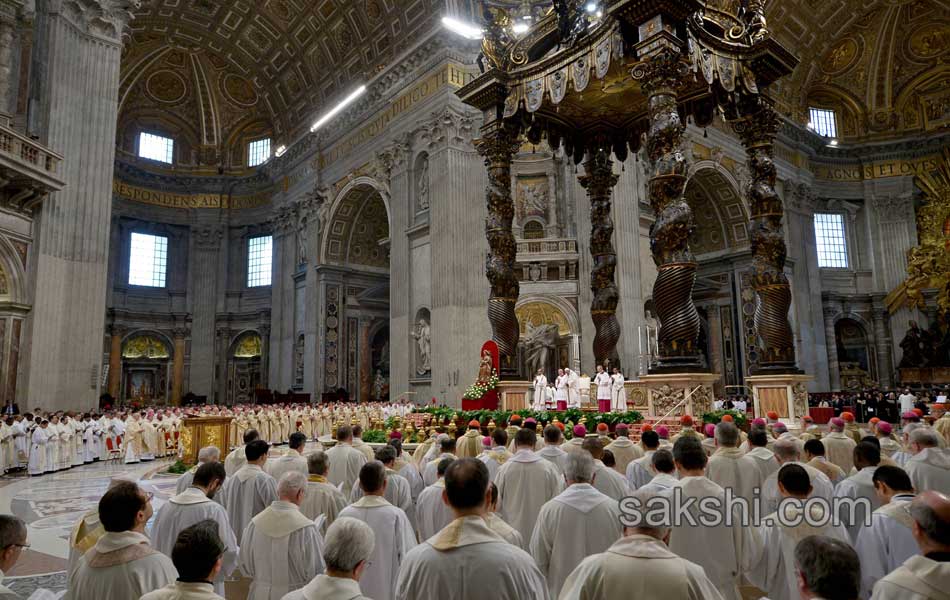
(823, 121)
(156, 147)
(830, 241)
(259, 259)
(258, 152)
(148, 260)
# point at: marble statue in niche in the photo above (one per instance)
(423, 182)
(298, 361)
(424, 343)
(540, 343)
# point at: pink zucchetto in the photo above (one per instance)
(580, 431)
(885, 427)
(663, 431)
(710, 430)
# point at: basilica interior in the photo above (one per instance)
(232, 202)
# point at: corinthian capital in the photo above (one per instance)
(102, 18)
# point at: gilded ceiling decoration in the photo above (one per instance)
(282, 62)
(539, 313)
(884, 65)
(721, 218)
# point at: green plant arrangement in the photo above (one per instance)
(738, 417)
(375, 436)
(480, 388)
(179, 467)
(574, 415)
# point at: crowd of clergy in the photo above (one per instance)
(516, 516)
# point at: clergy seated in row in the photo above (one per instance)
(322, 498)
(828, 569)
(12, 542)
(208, 454)
(607, 481)
(815, 457)
(576, 523)
(282, 549)
(433, 513)
(928, 465)
(551, 451)
(348, 545)
(781, 531)
(250, 490)
(345, 460)
(525, 482)
(237, 458)
(786, 452)
(638, 565)
(446, 450)
(730, 467)
(397, 486)
(665, 479)
(394, 533)
(198, 556)
(468, 560)
(926, 575)
(193, 505)
(725, 550)
(122, 564)
(498, 454)
(623, 449)
(640, 471)
(859, 487)
(889, 540)
(759, 452)
(293, 460)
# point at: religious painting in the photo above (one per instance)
(249, 346)
(532, 198)
(145, 347)
(140, 386)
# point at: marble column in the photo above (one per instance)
(206, 244)
(178, 366)
(834, 373)
(115, 360)
(366, 360)
(80, 106)
(626, 201)
(882, 345)
(8, 18)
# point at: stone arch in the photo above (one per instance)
(360, 216)
(853, 342)
(719, 210)
(562, 306)
(166, 341)
(240, 337)
(13, 274)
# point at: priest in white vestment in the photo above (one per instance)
(346, 550)
(433, 514)
(607, 481)
(468, 560)
(889, 540)
(623, 449)
(730, 467)
(929, 465)
(397, 488)
(345, 460)
(925, 576)
(408, 469)
(38, 455)
(237, 458)
(829, 568)
(758, 451)
(560, 390)
(639, 565)
(787, 452)
(322, 497)
(498, 454)
(198, 557)
(665, 479)
(815, 457)
(781, 531)
(192, 506)
(122, 564)
(604, 389)
(293, 460)
(573, 389)
(618, 398)
(205, 455)
(539, 390)
(282, 549)
(394, 533)
(447, 450)
(859, 486)
(578, 522)
(640, 471)
(551, 450)
(725, 551)
(250, 490)
(525, 482)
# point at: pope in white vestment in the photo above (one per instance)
(282, 551)
(578, 522)
(120, 566)
(638, 566)
(249, 492)
(887, 543)
(467, 560)
(394, 539)
(525, 482)
(186, 509)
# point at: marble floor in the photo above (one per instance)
(52, 504)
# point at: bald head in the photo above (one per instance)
(931, 513)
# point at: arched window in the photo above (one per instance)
(533, 230)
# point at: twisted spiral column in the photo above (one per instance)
(757, 128)
(660, 77)
(599, 180)
(498, 145)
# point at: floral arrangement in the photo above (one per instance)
(478, 389)
(738, 417)
(574, 415)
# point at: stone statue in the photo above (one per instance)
(424, 341)
(914, 345)
(539, 342)
(301, 245)
(378, 384)
(485, 367)
(424, 185)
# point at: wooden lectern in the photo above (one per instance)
(198, 432)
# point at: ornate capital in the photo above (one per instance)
(667, 71)
(102, 18)
(891, 209)
(208, 237)
(446, 126)
(802, 198)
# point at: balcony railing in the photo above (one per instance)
(547, 246)
(28, 170)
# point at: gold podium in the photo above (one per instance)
(198, 432)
